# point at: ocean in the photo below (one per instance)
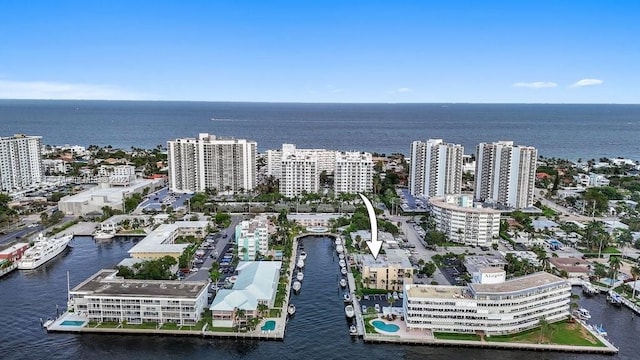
(317, 331)
(563, 131)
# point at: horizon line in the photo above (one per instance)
(331, 102)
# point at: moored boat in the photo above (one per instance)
(291, 309)
(349, 312)
(614, 298)
(343, 271)
(343, 282)
(341, 256)
(353, 330)
(588, 289)
(300, 276)
(339, 249)
(342, 263)
(338, 241)
(296, 286)
(346, 298)
(582, 314)
(300, 263)
(303, 255)
(43, 250)
(103, 235)
(600, 330)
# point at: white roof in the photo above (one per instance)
(257, 280)
(155, 241)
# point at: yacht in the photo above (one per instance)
(614, 298)
(340, 249)
(342, 263)
(103, 235)
(296, 286)
(347, 298)
(300, 263)
(341, 256)
(588, 289)
(300, 276)
(349, 312)
(43, 250)
(343, 271)
(303, 255)
(291, 309)
(338, 241)
(582, 314)
(343, 283)
(353, 330)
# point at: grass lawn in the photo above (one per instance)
(275, 312)
(455, 336)
(547, 212)
(562, 333)
(146, 325)
(220, 329)
(610, 250)
(169, 326)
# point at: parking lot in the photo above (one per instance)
(382, 300)
(155, 201)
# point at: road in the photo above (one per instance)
(220, 244)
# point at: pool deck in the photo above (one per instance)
(426, 337)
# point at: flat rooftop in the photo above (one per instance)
(158, 240)
(105, 282)
(539, 279)
(395, 257)
(438, 292)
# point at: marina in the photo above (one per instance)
(43, 250)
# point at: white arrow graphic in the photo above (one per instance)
(374, 245)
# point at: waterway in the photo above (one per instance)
(318, 330)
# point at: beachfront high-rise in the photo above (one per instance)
(20, 162)
(353, 172)
(436, 168)
(299, 170)
(209, 162)
(505, 174)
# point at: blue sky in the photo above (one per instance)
(322, 51)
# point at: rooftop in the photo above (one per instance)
(257, 280)
(395, 257)
(437, 291)
(539, 279)
(159, 240)
(105, 282)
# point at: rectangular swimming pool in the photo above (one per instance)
(72, 323)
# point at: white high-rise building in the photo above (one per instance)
(252, 237)
(326, 158)
(353, 172)
(436, 168)
(505, 174)
(299, 173)
(462, 222)
(20, 162)
(209, 162)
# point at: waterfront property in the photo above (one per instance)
(493, 308)
(14, 252)
(252, 237)
(387, 271)
(256, 283)
(20, 162)
(161, 241)
(462, 222)
(105, 297)
(436, 168)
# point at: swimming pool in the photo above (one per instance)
(72, 323)
(270, 325)
(381, 325)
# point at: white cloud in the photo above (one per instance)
(586, 82)
(402, 90)
(536, 84)
(11, 89)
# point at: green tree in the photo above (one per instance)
(635, 272)
(615, 262)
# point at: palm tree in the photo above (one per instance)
(614, 263)
(635, 272)
(262, 308)
(544, 327)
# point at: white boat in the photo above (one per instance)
(346, 298)
(338, 241)
(341, 256)
(614, 298)
(343, 283)
(300, 264)
(103, 235)
(43, 250)
(291, 309)
(588, 289)
(600, 330)
(349, 312)
(300, 276)
(297, 285)
(303, 255)
(342, 263)
(582, 314)
(353, 330)
(340, 249)
(343, 271)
